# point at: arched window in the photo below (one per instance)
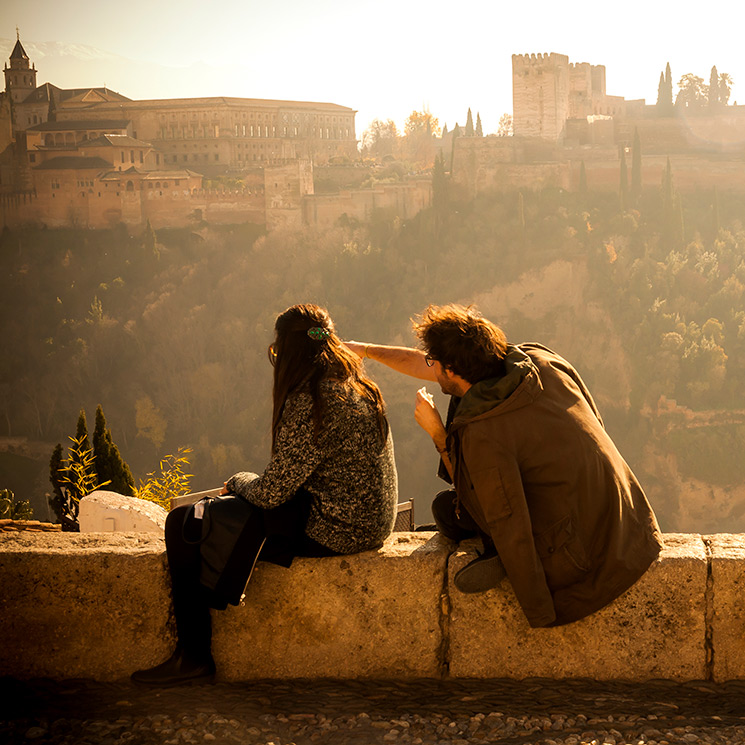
(130, 186)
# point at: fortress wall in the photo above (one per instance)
(690, 173)
(97, 605)
(404, 200)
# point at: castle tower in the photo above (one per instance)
(540, 95)
(20, 78)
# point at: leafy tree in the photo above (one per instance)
(421, 122)
(380, 138)
(469, 125)
(479, 128)
(420, 128)
(109, 464)
(505, 126)
(692, 92)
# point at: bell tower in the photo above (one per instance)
(20, 78)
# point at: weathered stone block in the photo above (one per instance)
(654, 630)
(82, 605)
(727, 610)
(375, 614)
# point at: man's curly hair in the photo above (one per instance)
(463, 341)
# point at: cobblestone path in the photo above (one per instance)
(427, 712)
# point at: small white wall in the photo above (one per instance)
(109, 512)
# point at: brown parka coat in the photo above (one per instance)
(535, 468)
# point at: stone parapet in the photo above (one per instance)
(656, 629)
(97, 605)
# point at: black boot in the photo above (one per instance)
(179, 669)
(481, 574)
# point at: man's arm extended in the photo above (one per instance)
(401, 359)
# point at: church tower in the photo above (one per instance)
(20, 78)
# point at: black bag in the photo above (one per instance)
(231, 540)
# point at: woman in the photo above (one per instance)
(329, 489)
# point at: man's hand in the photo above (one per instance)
(428, 418)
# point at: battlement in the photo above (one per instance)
(539, 60)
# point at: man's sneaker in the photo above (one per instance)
(481, 574)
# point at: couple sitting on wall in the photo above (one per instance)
(534, 474)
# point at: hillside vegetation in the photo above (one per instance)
(169, 332)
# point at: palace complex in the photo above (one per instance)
(93, 157)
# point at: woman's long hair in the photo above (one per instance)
(304, 360)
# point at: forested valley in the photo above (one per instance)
(169, 330)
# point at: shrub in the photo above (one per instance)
(172, 481)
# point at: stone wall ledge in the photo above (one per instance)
(97, 605)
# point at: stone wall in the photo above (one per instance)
(98, 606)
(404, 200)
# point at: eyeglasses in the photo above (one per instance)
(430, 361)
(272, 354)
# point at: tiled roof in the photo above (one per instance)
(75, 125)
(110, 140)
(176, 103)
(72, 162)
(44, 93)
(18, 51)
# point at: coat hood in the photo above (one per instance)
(521, 378)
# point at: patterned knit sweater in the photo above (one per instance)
(349, 470)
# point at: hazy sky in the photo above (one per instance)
(387, 57)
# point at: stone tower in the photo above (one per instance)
(540, 95)
(20, 78)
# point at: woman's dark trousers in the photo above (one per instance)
(284, 527)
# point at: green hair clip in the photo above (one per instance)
(318, 333)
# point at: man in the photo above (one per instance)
(535, 473)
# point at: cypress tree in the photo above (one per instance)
(439, 194)
(56, 500)
(469, 124)
(479, 128)
(109, 463)
(623, 189)
(661, 90)
(669, 108)
(452, 148)
(582, 178)
(714, 97)
(444, 131)
(636, 167)
(81, 432)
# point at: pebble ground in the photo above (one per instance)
(425, 712)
